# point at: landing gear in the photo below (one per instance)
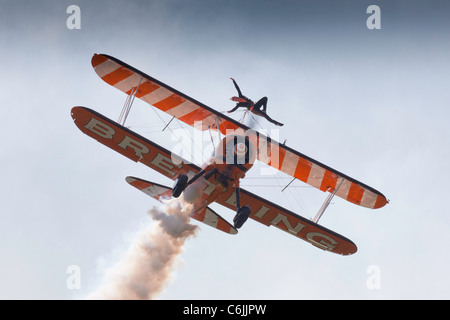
(241, 216)
(179, 185)
(183, 181)
(242, 212)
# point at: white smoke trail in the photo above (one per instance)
(147, 266)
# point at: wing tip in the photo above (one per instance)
(98, 59)
(380, 202)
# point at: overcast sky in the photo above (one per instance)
(373, 104)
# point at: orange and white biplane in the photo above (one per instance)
(218, 179)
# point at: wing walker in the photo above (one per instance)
(218, 180)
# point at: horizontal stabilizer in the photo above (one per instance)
(160, 192)
(154, 190)
(212, 219)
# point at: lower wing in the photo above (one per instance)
(131, 144)
(271, 214)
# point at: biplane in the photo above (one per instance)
(218, 179)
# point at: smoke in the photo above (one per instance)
(147, 266)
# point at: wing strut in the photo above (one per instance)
(218, 128)
(128, 103)
(168, 123)
(326, 203)
(288, 184)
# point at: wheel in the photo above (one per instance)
(241, 216)
(179, 185)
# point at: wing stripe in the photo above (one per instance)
(157, 95)
(329, 181)
(196, 115)
(355, 194)
(315, 176)
(290, 163)
(106, 68)
(170, 102)
(129, 83)
(117, 75)
(277, 156)
(303, 169)
(344, 189)
(368, 199)
(145, 88)
(207, 121)
(182, 109)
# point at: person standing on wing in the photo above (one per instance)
(244, 102)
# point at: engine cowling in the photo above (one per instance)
(237, 150)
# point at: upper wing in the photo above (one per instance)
(271, 214)
(127, 79)
(130, 144)
(317, 174)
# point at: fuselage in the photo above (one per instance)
(232, 158)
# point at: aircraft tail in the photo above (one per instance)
(161, 193)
